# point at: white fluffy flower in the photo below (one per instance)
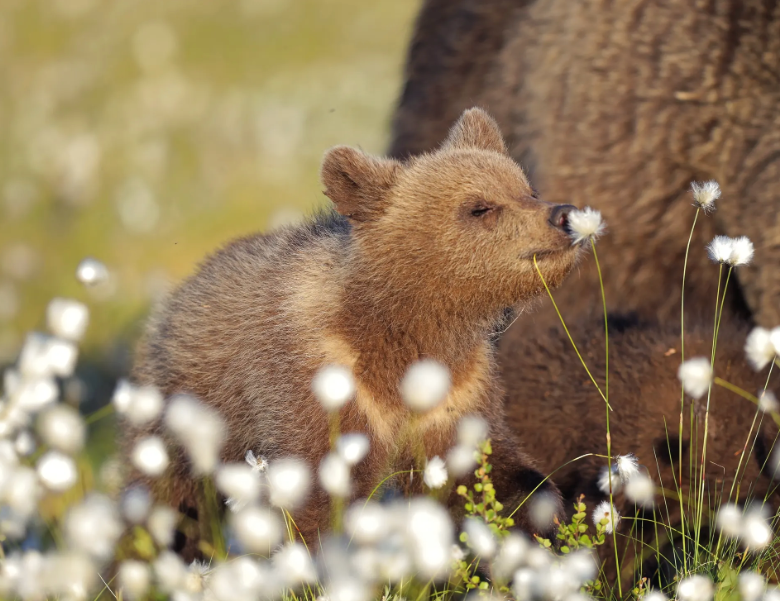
(94, 527)
(729, 520)
(149, 456)
(91, 272)
(480, 538)
(334, 475)
(472, 430)
(759, 348)
(162, 522)
(756, 531)
(333, 386)
(67, 318)
(425, 385)
(542, 508)
(257, 529)
(511, 555)
(135, 503)
(705, 195)
(604, 511)
(169, 571)
(199, 428)
(741, 251)
(695, 588)
(607, 477)
(751, 586)
(720, 249)
(294, 564)
(258, 464)
(696, 376)
(43, 356)
(289, 482)
(435, 475)
(774, 338)
(430, 536)
(241, 579)
(367, 522)
(239, 483)
(139, 404)
(640, 489)
(585, 225)
(62, 428)
(134, 578)
(654, 595)
(352, 447)
(767, 402)
(627, 466)
(461, 460)
(22, 492)
(57, 471)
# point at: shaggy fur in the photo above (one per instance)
(620, 105)
(555, 410)
(420, 262)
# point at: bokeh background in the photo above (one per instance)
(146, 133)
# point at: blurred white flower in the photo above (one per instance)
(366, 522)
(627, 466)
(162, 521)
(461, 460)
(333, 386)
(705, 195)
(91, 272)
(94, 527)
(62, 428)
(199, 428)
(294, 564)
(170, 572)
(334, 475)
(741, 251)
(135, 504)
(139, 404)
(774, 338)
(585, 225)
(241, 579)
(696, 376)
(69, 575)
(258, 464)
(44, 356)
(352, 447)
(604, 511)
(149, 456)
(435, 475)
(429, 532)
(767, 401)
(607, 477)
(240, 483)
(32, 395)
(751, 586)
(289, 481)
(526, 584)
(257, 529)
(511, 556)
(24, 444)
(759, 348)
(57, 471)
(640, 489)
(720, 249)
(472, 431)
(695, 588)
(480, 538)
(654, 595)
(22, 491)
(134, 578)
(425, 385)
(67, 318)
(542, 507)
(729, 520)
(347, 589)
(756, 530)
(582, 565)
(137, 206)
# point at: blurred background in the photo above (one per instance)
(145, 134)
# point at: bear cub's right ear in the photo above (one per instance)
(358, 183)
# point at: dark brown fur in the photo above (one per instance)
(554, 409)
(405, 272)
(620, 105)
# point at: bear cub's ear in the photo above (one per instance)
(357, 183)
(476, 129)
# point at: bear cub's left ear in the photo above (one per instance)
(476, 129)
(358, 183)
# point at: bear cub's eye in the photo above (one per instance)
(481, 209)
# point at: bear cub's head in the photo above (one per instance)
(462, 222)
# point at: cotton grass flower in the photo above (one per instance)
(510, 557)
(91, 272)
(479, 538)
(741, 251)
(289, 481)
(425, 385)
(719, 250)
(334, 475)
(654, 595)
(295, 565)
(696, 376)
(257, 529)
(585, 225)
(751, 586)
(93, 527)
(57, 471)
(241, 579)
(199, 428)
(149, 456)
(542, 508)
(429, 533)
(44, 356)
(705, 195)
(435, 475)
(756, 530)
(760, 348)
(135, 578)
(138, 404)
(472, 430)
(367, 523)
(729, 520)
(67, 318)
(767, 402)
(352, 448)
(640, 490)
(161, 524)
(333, 386)
(461, 459)
(695, 588)
(605, 511)
(135, 504)
(239, 483)
(627, 466)
(258, 464)
(609, 476)
(62, 428)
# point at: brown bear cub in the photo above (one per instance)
(419, 261)
(554, 408)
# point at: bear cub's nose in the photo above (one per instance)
(559, 216)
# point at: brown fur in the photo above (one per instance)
(620, 105)
(554, 409)
(409, 273)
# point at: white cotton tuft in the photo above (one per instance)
(67, 318)
(741, 251)
(759, 347)
(542, 507)
(258, 464)
(62, 428)
(139, 404)
(705, 195)
(425, 385)
(480, 538)
(604, 511)
(461, 460)
(334, 475)
(607, 477)
(135, 504)
(473, 430)
(44, 356)
(94, 527)
(696, 376)
(729, 520)
(134, 578)
(585, 225)
(367, 522)
(429, 532)
(238, 482)
(57, 471)
(640, 490)
(774, 338)
(257, 529)
(199, 428)
(511, 555)
(162, 522)
(289, 481)
(654, 595)
(149, 456)
(720, 249)
(352, 447)
(91, 272)
(756, 530)
(751, 586)
(435, 475)
(767, 401)
(334, 386)
(695, 588)
(295, 565)
(627, 466)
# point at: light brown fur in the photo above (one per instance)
(620, 105)
(405, 272)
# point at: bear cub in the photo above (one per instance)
(419, 261)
